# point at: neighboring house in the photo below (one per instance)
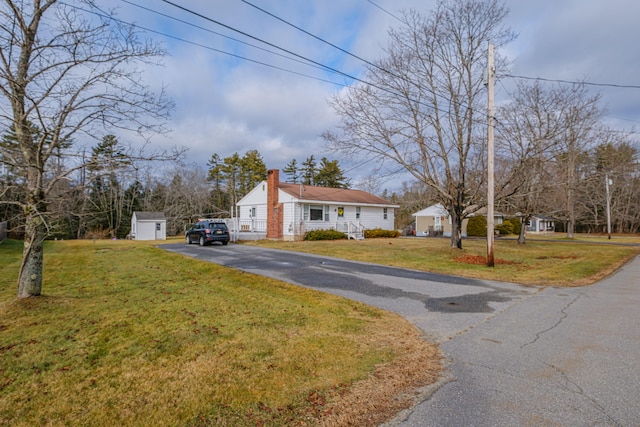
(148, 226)
(540, 224)
(435, 221)
(286, 211)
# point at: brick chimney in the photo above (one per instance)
(275, 211)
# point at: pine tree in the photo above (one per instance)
(292, 170)
(329, 174)
(308, 171)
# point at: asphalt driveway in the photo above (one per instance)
(441, 306)
(518, 355)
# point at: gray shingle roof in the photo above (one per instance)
(149, 216)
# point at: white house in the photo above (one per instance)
(540, 224)
(148, 226)
(287, 211)
(435, 221)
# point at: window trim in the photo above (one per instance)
(311, 207)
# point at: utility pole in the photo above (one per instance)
(490, 157)
(607, 182)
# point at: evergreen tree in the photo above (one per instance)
(235, 176)
(308, 171)
(252, 171)
(108, 161)
(292, 170)
(329, 174)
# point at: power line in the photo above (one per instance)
(383, 89)
(261, 41)
(219, 34)
(317, 37)
(586, 83)
(386, 11)
(371, 64)
(204, 46)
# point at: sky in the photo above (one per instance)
(227, 104)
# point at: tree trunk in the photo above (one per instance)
(522, 238)
(30, 278)
(456, 230)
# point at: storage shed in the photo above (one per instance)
(148, 226)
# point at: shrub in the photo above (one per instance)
(477, 226)
(324, 235)
(517, 225)
(505, 228)
(510, 226)
(378, 232)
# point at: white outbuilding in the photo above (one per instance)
(148, 226)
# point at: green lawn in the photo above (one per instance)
(128, 334)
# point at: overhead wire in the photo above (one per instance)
(206, 18)
(110, 17)
(586, 83)
(310, 62)
(219, 34)
(367, 62)
(318, 38)
(386, 11)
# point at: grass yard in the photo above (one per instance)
(538, 262)
(128, 334)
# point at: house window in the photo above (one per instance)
(316, 213)
(384, 213)
(252, 212)
(357, 212)
(341, 212)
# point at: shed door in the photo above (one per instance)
(158, 231)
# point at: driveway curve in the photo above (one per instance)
(517, 355)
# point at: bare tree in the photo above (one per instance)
(580, 119)
(424, 108)
(69, 70)
(529, 134)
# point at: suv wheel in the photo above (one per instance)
(187, 239)
(202, 241)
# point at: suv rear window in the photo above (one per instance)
(220, 225)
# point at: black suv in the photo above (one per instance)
(207, 232)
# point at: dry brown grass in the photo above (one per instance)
(393, 386)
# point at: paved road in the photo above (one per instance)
(518, 356)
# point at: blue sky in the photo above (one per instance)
(226, 105)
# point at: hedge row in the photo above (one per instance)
(477, 226)
(337, 235)
(378, 232)
(324, 235)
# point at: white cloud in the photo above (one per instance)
(227, 105)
